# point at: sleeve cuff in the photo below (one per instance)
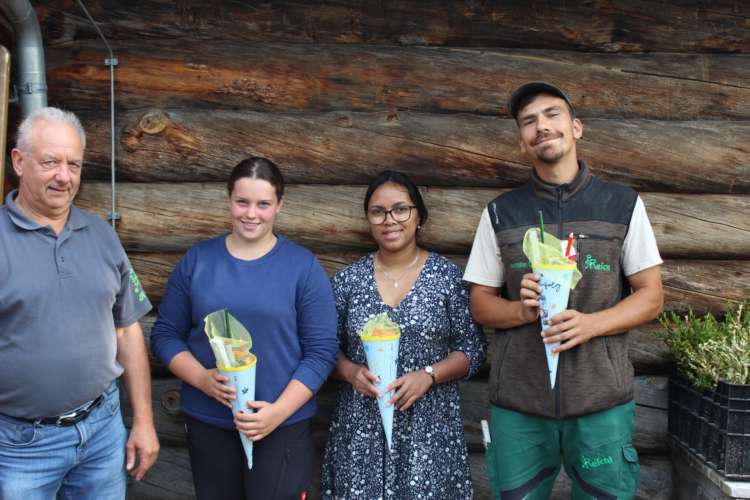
(642, 266)
(478, 280)
(135, 316)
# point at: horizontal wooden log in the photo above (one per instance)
(650, 434)
(613, 25)
(171, 217)
(647, 352)
(703, 285)
(434, 149)
(288, 77)
(169, 479)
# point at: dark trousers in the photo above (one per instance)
(282, 463)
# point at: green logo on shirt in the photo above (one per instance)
(593, 264)
(595, 462)
(137, 288)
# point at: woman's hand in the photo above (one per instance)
(362, 380)
(260, 424)
(213, 384)
(409, 388)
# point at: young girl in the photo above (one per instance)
(280, 293)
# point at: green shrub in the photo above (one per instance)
(708, 350)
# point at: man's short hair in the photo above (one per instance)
(524, 94)
(23, 137)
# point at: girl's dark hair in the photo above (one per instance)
(395, 177)
(257, 167)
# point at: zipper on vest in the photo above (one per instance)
(560, 235)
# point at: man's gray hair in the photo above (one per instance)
(23, 138)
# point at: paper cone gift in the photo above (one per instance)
(242, 378)
(231, 344)
(380, 338)
(557, 276)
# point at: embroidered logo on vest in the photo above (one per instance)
(522, 264)
(593, 264)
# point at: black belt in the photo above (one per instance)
(72, 417)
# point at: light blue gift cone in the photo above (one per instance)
(382, 358)
(242, 378)
(555, 282)
(231, 343)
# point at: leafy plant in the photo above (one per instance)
(708, 350)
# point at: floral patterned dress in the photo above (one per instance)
(429, 458)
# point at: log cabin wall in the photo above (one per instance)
(334, 92)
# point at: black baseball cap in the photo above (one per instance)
(533, 88)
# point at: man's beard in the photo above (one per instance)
(550, 156)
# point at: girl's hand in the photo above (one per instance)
(409, 388)
(213, 384)
(260, 424)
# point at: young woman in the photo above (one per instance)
(423, 293)
(280, 293)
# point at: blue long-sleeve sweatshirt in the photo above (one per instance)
(284, 300)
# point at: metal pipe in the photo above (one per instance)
(111, 61)
(32, 82)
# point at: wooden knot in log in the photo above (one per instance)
(344, 121)
(170, 401)
(154, 122)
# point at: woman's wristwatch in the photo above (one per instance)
(431, 373)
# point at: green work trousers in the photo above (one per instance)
(526, 452)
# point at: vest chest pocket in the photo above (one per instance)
(598, 259)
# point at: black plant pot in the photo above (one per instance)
(714, 425)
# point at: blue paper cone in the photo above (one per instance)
(555, 282)
(242, 379)
(382, 356)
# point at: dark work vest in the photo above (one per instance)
(593, 376)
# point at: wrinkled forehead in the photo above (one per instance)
(56, 138)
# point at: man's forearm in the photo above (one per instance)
(131, 354)
(642, 306)
(491, 310)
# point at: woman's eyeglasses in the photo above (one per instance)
(399, 213)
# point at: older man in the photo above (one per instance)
(69, 309)
(586, 418)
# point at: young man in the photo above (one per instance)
(586, 420)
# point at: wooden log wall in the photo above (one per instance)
(337, 91)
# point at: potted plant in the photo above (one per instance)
(709, 392)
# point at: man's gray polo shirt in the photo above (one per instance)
(61, 298)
